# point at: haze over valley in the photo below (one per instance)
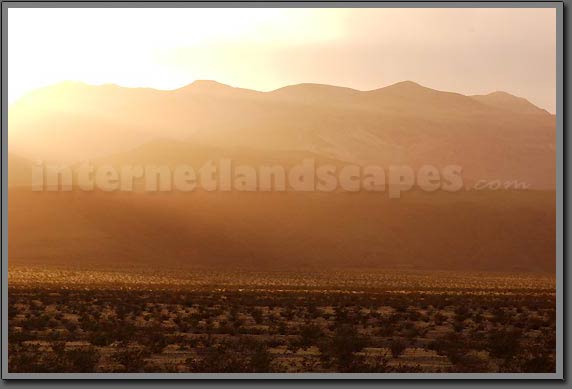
(492, 137)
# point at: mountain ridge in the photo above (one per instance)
(201, 85)
(497, 139)
(493, 137)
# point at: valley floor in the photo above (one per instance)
(128, 320)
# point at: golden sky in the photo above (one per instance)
(471, 51)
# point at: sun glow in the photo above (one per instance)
(264, 48)
(148, 47)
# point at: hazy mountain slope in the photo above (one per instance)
(496, 136)
(472, 230)
(19, 171)
(508, 102)
(167, 152)
(491, 137)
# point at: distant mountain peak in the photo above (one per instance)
(407, 84)
(501, 94)
(205, 86)
(313, 86)
(405, 87)
(215, 88)
(506, 101)
(316, 93)
(208, 84)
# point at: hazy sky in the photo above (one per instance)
(471, 51)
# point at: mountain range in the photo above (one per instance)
(493, 137)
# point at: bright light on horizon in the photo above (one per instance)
(129, 51)
(470, 51)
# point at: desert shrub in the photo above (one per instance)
(132, 359)
(309, 334)
(397, 347)
(503, 343)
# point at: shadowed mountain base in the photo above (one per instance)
(485, 230)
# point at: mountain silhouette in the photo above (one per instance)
(492, 137)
